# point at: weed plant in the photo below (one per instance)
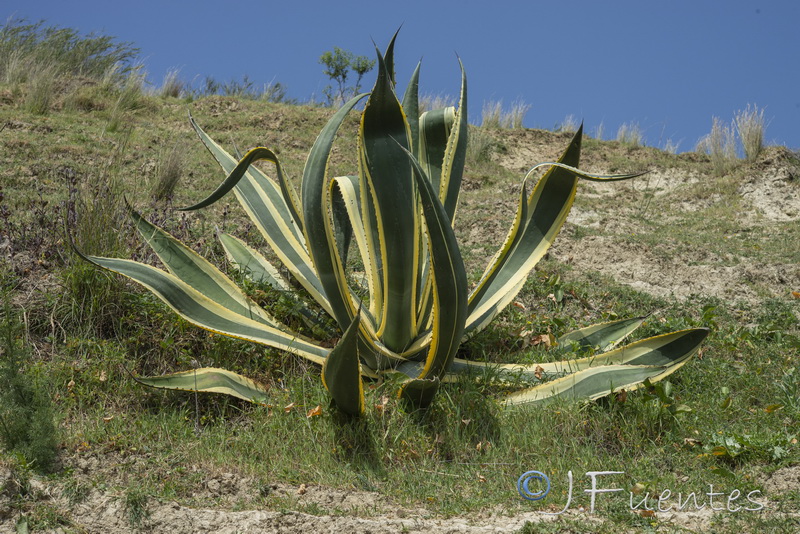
(26, 415)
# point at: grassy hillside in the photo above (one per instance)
(686, 244)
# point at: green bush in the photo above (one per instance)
(26, 414)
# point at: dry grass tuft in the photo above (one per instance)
(750, 127)
(493, 115)
(720, 144)
(630, 133)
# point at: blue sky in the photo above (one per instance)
(668, 66)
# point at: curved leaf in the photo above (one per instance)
(449, 291)
(389, 186)
(318, 227)
(663, 350)
(602, 335)
(341, 373)
(592, 383)
(209, 380)
(205, 313)
(251, 263)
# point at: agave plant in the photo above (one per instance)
(411, 308)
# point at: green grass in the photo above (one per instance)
(89, 330)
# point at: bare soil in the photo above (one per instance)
(319, 509)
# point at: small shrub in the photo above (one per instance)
(14, 67)
(750, 127)
(338, 66)
(26, 414)
(275, 92)
(136, 507)
(130, 98)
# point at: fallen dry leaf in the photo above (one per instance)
(313, 412)
(288, 407)
(302, 489)
(773, 408)
(796, 294)
(542, 339)
(538, 372)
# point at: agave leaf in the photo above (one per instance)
(455, 155)
(435, 127)
(532, 233)
(209, 380)
(197, 272)
(419, 392)
(602, 335)
(449, 291)
(347, 187)
(388, 58)
(256, 268)
(251, 263)
(663, 351)
(268, 209)
(411, 108)
(287, 204)
(442, 156)
(205, 313)
(289, 196)
(592, 383)
(318, 227)
(388, 185)
(538, 221)
(342, 227)
(341, 373)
